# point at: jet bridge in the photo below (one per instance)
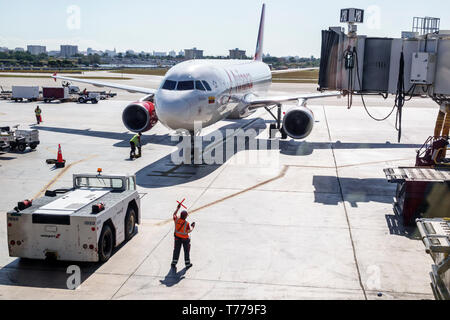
(415, 65)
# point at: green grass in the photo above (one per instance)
(41, 71)
(311, 76)
(313, 81)
(149, 72)
(48, 77)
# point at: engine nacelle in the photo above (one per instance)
(140, 116)
(298, 122)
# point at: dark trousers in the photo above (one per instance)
(133, 150)
(186, 243)
(38, 119)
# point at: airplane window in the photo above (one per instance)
(185, 85)
(169, 85)
(206, 85)
(199, 86)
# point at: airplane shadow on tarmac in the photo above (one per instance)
(164, 173)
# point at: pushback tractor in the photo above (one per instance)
(83, 224)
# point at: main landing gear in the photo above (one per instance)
(276, 126)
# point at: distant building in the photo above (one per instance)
(68, 51)
(193, 54)
(110, 53)
(237, 54)
(53, 53)
(181, 53)
(19, 50)
(4, 49)
(36, 49)
(159, 54)
(172, 54)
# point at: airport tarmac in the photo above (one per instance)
(316, 223)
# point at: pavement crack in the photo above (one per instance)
(355, 258)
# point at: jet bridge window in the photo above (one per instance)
(169, 85)
(199, 86)
(206, 84)
(185, 85)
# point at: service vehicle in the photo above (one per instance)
(20, 93)
(92, 97)
(24, 138)
(6, 137)
(4, 94)
(82, 224)
(13, 138)
(55, 93)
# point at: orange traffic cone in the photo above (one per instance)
(60, 162)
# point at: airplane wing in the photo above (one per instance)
(275, 72)
(130, 89)
(254, 101)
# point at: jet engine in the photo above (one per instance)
(140, 116)
(298, 122)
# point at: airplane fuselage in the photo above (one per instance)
(203, 92)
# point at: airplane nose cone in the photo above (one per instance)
(174, 110)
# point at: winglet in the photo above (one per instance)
(54, 76)
(260, 43)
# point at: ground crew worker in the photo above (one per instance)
(38, 113)
(135, 142)
(182, 230)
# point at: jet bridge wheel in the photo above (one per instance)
(105, 244)
(130, 223)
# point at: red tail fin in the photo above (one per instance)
(260, 43)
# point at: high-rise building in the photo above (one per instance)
(193, 54)
(181, 53)
(36, 49)
(68, 51)
(172, 54)
(237, 54)
(19, 49)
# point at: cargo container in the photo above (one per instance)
(20, 93)
(55, 93)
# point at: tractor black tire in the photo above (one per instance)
(33, 146)
(81, 100)
(22, 147)
(130, 223)
(94, 101)
(105, 244)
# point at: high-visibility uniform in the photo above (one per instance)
(181, 229)
(38, 112)
(182, 239)
(135, 140)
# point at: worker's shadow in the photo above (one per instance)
(173, 277)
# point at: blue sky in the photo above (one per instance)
(292, 26)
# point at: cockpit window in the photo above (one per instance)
(169, 85)
(206, 85)
(185, 85)
(199, 86)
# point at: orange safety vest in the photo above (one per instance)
(181, 227)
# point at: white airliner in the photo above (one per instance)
(203, 92)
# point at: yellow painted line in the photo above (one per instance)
(59, 175)
(279, 176)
